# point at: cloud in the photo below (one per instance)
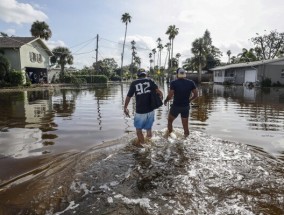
(52, 44)
(10, 31)
(12, 11)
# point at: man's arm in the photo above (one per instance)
(169, 97)
(194, 95)
(126, 111)
(160, 93)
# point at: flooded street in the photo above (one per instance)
(66, 151)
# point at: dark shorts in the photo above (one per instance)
(183, 111)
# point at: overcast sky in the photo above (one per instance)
(75, 24)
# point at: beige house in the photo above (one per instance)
(250, 72)
(29, 55)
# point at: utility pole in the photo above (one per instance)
(97, 48)
(97, 51)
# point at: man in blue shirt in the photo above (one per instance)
(184, 91)
(144, 116)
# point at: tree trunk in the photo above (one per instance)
(121, 72)
(199, 74)
(172, 51)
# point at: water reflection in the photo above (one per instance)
(66, 119)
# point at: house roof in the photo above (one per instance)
(17, 42)
(14, 42)
(248, 64)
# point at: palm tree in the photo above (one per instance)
(41, 30)
(137, 60)
(61, 56)
(126, 18)
(229, 55)
(199, 51)
(150, 56)
(177, 57)
(132, 55)
(154, 53)
(172, 32)
(168, 46)
(247, 55)
(159, 46)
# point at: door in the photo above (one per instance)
(250, 76)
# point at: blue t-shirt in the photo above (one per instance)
(142, 88)
(182, 90)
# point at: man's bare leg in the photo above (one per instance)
(140, 136)
(149, 133)
(170, 123)
(184, 122)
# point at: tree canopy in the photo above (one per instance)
(269, 46)
(126, 18)
(61, 56)
(41, 29)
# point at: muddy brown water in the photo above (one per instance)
(49, 135)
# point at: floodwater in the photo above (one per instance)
(66, 151)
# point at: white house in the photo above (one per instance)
(29, 55)
(250, 72)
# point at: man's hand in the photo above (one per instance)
(126, 112)
(165, 102)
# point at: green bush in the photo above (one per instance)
(4, 84)
(93, 78)
(266, 82)
(15, 78)
(81, 79)
(115, 78)
(100, 79)
(277, 84)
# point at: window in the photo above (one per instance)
(218, 73)
(282, 73)
(39, 58)
(31, 57)
(35, 57)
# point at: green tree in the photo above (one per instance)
(172, 31)
(178, 55)
(200, 52)
(187, 64)
(4, 67)
(126, 18)
(213, 54)
(154, 53)
(137, 61)
(168, 46)
(229, 55)
(160, 47)
(151, 60)
(269, 46)
(133, 47)
(41, 30)
(105, 67)
(61, 56)
(2, 34)
(247, 55)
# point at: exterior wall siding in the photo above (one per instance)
(34, 48)
(13, 55)
(274, 73)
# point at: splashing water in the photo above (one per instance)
(199, 174)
